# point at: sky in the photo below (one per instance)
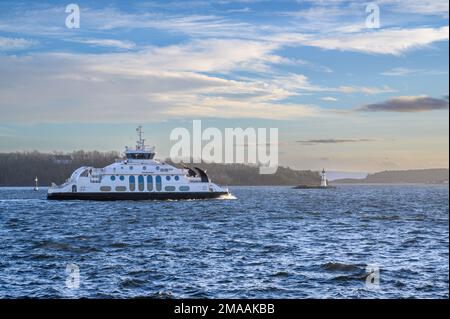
(344, 95)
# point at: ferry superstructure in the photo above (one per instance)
(137, 177)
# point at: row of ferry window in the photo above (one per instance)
(121, 177)
(145, 167)
(132, 183)
(150, 188)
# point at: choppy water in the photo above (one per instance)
(268, 243)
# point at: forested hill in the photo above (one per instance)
(240, 174)
(20, 169)
(427, 176)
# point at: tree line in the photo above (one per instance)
(20, 169)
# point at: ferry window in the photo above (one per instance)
(169, 188)
(168, 178)
(113, 178)
(144, 167)
(157, 168)
(122, 177)
(144, 156)
(105, 188)
(149, 183)
(131, 167)
(158, 183)
(141, 183)
(177, 178)
(132, 182)
(184, 188)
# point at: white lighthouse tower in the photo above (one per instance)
(323, 179)
(36, 185)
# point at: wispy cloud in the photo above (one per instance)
(334, 141)
(301, 82)
(241, 10)
(329, 99)
(408, 104)
(424, 7)
(11, 44)
(120, 44)
(155, 84)
(328, 26)
(393, 41)
(215, 69)
(401, 71)
(365, 89)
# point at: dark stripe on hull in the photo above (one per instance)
(134, 196)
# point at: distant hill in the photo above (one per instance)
(19, 169)
(427, 176)
(240, 174)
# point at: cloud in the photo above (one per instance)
(310, 65)
(152, 84)
(242, 10)
(300, 82)
(194, 79)
(334, 141)
(329, 26)
(400, 71)
(208, 55)
(10, 44)
(365, 90)
(348, 16)
(106, 43)
(393, 41)
(423, 7)
(407, 104)
(329, 99)
(396, 41)
(47, 20)
(217, 70)
(193, 25)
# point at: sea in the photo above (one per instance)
(354, 241)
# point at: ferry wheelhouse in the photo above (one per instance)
(137, 177)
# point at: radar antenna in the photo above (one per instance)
(140, 142)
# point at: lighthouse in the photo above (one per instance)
(36, 186)
(323, 179)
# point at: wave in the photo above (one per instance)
(119, 245)
(349, 278)
(53, 245)
(132, 283)
(335, 266)
(41, 257)
(281, 274)
(229, 196)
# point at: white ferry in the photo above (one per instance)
(137, 177)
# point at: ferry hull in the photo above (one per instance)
(134, 196)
